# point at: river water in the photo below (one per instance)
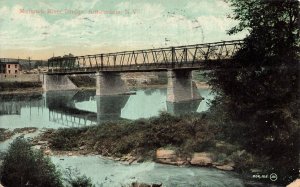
(106, 172)
(81, 108)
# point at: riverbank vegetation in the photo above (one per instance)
(15, 86)
(189, 133)
(139, 140)
(6, 134)
(23, 166)
(258, 94)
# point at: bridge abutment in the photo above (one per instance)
(181, 87)
(57, 82)
(110, 83)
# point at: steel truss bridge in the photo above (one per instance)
(159, 59)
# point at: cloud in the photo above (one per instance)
(138, 25)
(209, 7)
(18, 29)
(85, 4)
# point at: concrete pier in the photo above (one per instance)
(181, 87)
(57, 82)
(110, 83)
(110, 107)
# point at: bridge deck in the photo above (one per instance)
(182, 57)
(139, 68)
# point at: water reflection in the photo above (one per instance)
(110, 107)
(185, 107)
(82, 108)
(10, 108)
(12, 104)
(62, 109)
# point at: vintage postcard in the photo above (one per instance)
(138, 93)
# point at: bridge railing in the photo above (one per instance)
(151, 58)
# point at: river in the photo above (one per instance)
(106, 172)
(82, 108)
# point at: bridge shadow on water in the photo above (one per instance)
(63, 110)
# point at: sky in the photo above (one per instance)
(40, 29)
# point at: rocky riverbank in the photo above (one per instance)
(161, 155)
(6, 134)
(208, 151)
(188, 141)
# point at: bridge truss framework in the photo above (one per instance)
(160, 59)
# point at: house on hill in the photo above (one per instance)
(20, 70)
(11, 68)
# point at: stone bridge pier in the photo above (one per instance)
(110, 107)
(110, 83)
(57, 82)
(181, 87)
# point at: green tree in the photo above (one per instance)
(258, 92)
(24, 167)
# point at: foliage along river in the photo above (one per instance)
(75, 109)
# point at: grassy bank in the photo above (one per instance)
(185, 135)
(6, 134)
(139, 137)
(13, 86)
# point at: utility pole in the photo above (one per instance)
(29, 63)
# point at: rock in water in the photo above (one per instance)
(201, 159)
(166, 156)
(137, 184)
(296, 183)
(225, 167)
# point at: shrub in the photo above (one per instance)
(74, 179)
(245, 161)
(17, 85)
(24, 167)
(190, 132)
(5, 134)
(66, 139)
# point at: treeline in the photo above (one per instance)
(257, 94)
